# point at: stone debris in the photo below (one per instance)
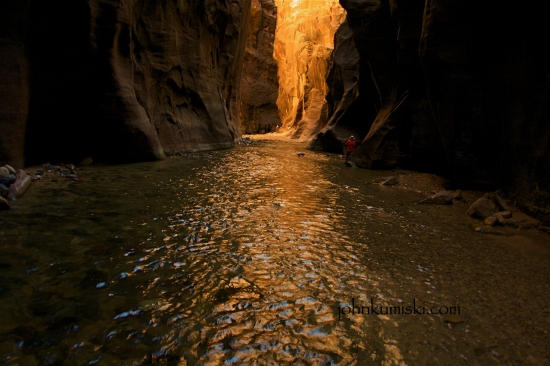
(246, 141)
(499, 209)
(13, 184)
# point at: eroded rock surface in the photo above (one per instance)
(259, 83)
(121, 80)
(303, 43)
(468, 103)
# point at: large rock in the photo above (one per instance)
(482, 208)
(4, 172)
(259, 83)
(140, 79)
(20, 186)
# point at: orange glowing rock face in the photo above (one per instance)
(304, 39)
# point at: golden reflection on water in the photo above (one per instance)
(247, 257)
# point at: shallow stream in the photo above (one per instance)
(256, 255)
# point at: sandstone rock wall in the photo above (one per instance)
(14, 85)
(259, 84)
(120, 80)
(303, 43)
(469, 102)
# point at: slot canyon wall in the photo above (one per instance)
(259, 83)
(121, 80)
(304, 41)
(458, 88)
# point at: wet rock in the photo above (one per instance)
(387, 181)
(86, 161)
(498, 218)
(482, 208)
(4, 172)
(20, 185)
(4, 205)
(10, 168)
(440, 198)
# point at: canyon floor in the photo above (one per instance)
(259, 255)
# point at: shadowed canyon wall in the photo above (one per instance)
(461, 88)
(120, 80)
(303, 43)
(259, 83)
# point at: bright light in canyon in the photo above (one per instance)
(304, 39)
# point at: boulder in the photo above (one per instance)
(482, 208)
(4, 172)
(20, 186)
(499, 218)
(10, 168)
(440, 198)
(4, 205)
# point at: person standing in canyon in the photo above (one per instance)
(350, 147)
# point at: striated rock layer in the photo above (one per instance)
(303, 43)
(460, 88)
(119, 80)
(259, 83)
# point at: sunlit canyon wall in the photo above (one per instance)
(303, 43)
(259, 82)
(119, 80)
(460, 88)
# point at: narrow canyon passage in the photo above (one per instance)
(250, 256)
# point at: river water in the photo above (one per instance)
(255, 256)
